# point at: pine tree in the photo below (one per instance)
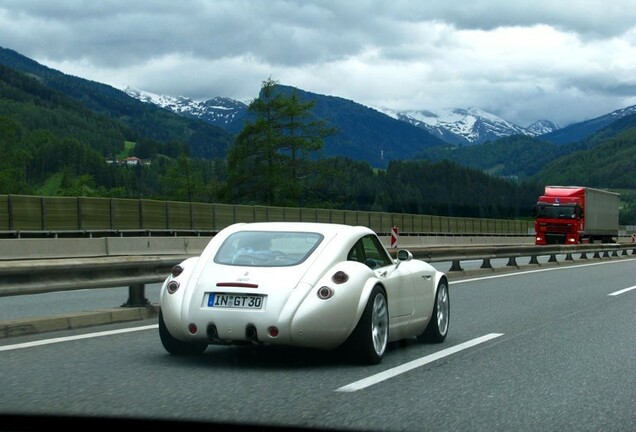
(270, 155)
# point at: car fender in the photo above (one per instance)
(366, 294)
(172, 304)
(438, 277)
(327, 323)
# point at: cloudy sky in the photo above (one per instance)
(566, 61)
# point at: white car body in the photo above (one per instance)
(301, 302)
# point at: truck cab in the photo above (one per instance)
(557, 220)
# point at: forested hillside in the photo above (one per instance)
(200, 139)
(40, 108)
(54, 145)
(57, 145)
(610, 164)
(515, 157)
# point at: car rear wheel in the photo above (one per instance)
(369, 339)
(437, 328)
(175, 346)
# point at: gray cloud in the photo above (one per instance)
(522, 60)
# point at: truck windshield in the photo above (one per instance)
(556, 211)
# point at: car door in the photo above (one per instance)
(396, 279)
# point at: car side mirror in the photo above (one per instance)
(404, 255)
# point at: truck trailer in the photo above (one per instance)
(576, 214)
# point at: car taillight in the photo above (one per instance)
(325, 292)
(176, 270)
(172, 287)
(340, 277)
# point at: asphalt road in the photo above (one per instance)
(548, 350)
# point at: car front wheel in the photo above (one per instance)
(175, 346)
(437, 328)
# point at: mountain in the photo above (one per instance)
(149, 122)
(468, 126)
(223, 112)
(541, 127)
(474, 126)
(456, 126)
(504, 150)
(207, 128)
(54, 145)
(579, 131)
(363, 133)
(597, 157)
(57, 131)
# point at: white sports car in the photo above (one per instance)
(313, 285)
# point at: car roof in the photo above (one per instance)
(320, 227)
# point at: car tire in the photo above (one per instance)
(175, 346)
(368, 342)
(437, 327)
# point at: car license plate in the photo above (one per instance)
(237, 301)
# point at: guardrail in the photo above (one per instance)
(486, 254)
(21, 277)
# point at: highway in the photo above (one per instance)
(549, 349)
(66, 302)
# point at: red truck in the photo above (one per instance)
(576, 214)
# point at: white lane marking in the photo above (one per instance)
(615, 293)
(518, 273)
(390, 373)
(77, 337)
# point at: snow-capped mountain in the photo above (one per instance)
(541, 127)
(468, 126)
(220, 111)
(455, 126)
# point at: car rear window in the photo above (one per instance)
(267, 248)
